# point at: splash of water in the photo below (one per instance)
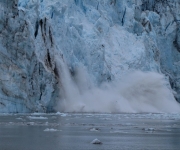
(136, 92)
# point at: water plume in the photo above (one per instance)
(136, 92)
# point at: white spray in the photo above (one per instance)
(136, 92)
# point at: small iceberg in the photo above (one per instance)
(51, 130)
(61, 114)
(149, 130)
(96, 141)
(94, 129)
(30, 123)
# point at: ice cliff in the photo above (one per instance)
(106, 37)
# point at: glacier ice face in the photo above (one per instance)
(167, 39)
(108, 38)
(25, 84)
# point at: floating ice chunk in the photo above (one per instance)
(30, 123)
(61, 114)
(118, 132)
(40, 117)
(89, 116)
(94, 129)
(96, 141)
(150, 129)
(128, 124)
(51, 130)
(58, 113)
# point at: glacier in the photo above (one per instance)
(65, 55)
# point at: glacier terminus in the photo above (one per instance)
(89, 56)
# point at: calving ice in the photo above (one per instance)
(135, 92)
(90, 56)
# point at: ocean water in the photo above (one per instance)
(68, 131)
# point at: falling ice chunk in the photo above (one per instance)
(96, 141)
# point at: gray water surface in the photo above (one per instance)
(76, 131)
